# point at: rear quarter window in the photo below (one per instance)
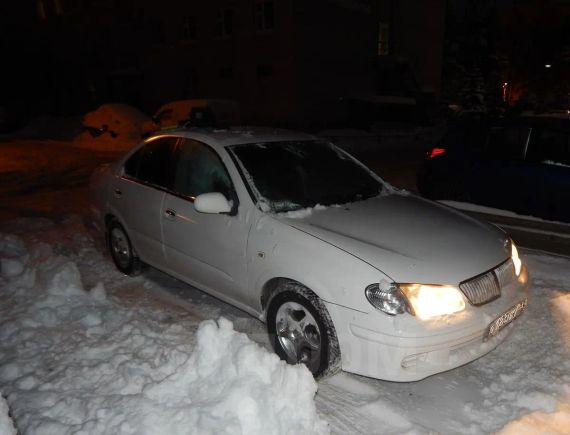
(151, 164)
(549, 147)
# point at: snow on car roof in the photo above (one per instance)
(239, 135)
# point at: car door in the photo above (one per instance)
(137, 195)
(498, 172)
(548, 160)
(208, 250)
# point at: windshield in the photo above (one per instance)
(293, 175)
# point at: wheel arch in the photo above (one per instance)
(271, 288)
(331, 352)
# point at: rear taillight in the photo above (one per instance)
(434, 152)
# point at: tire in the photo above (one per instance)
(301, 330)
(121, 250)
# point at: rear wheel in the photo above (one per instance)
(301, 330)
(122, 251)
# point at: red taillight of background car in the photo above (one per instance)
(434, 152)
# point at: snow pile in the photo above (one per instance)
(75, 360)
(302, 212)
(466, 206)
(113, 127)
(552, 162)
(541, 422)
(6, 423)
(232, 385)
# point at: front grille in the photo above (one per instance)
(487, 287)
(505, 273)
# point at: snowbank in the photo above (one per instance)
(467, 206)
(540, 422)
(6, 423)
(74, 360)
(232, 385)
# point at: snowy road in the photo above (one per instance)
(61, 358)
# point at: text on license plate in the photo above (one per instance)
(505, 318)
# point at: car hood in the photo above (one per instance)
(409, 239)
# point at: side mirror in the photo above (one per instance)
(213, 202)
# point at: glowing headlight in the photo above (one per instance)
(431, 300)
(516, 260)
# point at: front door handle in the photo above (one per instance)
(171, 214)
(118, 193)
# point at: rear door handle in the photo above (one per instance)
(118, 193)
(170, 213)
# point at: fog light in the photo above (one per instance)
(413, 360)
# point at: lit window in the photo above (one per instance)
(264, 16)
(225, 22)
(383, 39)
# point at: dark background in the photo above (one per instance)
(293, 63)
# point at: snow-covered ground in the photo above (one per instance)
(466, 206)
(74, 359)
(86, 350)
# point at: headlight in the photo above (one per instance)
(386, 297)
(424, 301)
(431, 300)
(516, 259)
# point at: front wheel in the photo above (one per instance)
(301, 331)
(122, 250)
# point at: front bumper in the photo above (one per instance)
(403, 348)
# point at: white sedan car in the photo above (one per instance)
(346, 271)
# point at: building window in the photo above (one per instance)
(264, 15)
(189, 29)
(158, 36)
(264, 71)
(383, 39)
(41, 9)
(225, 22)
(58, 5)
(226, 72)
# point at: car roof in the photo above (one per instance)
(560, 122)
(221, 138)
(548, 121)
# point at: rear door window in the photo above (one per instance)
(507, 143)
(549, 147)
(151, 164)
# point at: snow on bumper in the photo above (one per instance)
(404, 348)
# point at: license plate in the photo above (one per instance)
(504, 319)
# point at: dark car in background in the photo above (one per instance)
(519, 164)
